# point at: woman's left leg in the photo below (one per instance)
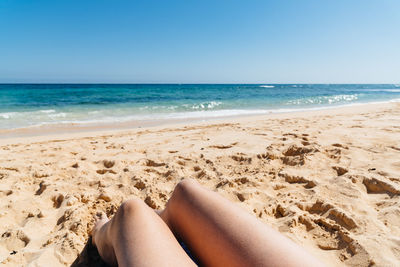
(219, 233)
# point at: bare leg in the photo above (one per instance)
(137, 236)
(221, 234)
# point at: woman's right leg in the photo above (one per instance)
(220, 233)
(137, 236)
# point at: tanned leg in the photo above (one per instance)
(137, 236)
(220, 233)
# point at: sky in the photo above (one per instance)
(207, 41)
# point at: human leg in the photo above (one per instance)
(220, 233)
(136, 236)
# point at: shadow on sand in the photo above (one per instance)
(89, 257)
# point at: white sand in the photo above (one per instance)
(329, 180)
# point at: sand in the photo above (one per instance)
(329, 180)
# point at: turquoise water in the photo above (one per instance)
(29, 105)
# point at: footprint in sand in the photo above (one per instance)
(42, 186)
(340, 145)
(330, 211)
(3, 175)
(329, 226)
(298, 179)
(151, 163)
(224, 146)
(242, 196)
(196, 168)
(40, 175)
(140, 185)
(295, 155)
(295, 150)
(241, 159)
(57, 200)
(14, 239)
(333, 153)
(151, 203)
(10, 169)
(242, 181)
(279, 211)
(293, 161)
(201, 174)
(105, 196)
(104, 171)
(5, 192)
(375, 185)
(395, 148)
(75, 165)
(340, 170)
(108, 163)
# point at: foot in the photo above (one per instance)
(101, 240)
(99, 220)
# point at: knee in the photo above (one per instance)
(186, 187)
(131, 207)
(129, 212)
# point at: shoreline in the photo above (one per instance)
(53, 130)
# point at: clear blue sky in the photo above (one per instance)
(188, 41)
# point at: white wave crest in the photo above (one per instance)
(58, 115)
(47, 111)
(384, 90)
(206, 105)
(7, 115)
(323, 99)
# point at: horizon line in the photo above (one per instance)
(177, 83)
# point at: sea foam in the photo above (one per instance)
(29, 105)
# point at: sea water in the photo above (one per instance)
(35, 105)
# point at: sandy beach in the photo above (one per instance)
(329, 180)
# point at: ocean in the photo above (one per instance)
(36, 105)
